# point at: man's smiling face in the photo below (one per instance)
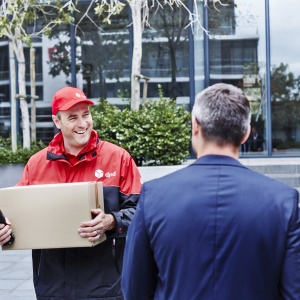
(76, 125)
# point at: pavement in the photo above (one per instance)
(16, 275)
(15, 265)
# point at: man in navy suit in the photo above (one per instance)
(215, 229)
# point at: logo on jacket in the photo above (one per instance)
(99, 173)
(108, 174)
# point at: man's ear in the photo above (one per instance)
(195, 126)
(56, 121)
(245, 137)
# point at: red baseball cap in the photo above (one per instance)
(67, 97)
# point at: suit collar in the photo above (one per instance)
(218, 160)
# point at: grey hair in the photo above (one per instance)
(223, 112)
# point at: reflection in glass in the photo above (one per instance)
(199, 54)
(237, 57)
(4, 91)
(166, 53)
(285, 78)
(102, 54)
(105, 66)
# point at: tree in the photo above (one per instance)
(22, 20)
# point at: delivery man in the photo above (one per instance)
(76, 154)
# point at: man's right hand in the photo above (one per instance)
(5, 232)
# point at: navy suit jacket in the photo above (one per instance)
(214, 230)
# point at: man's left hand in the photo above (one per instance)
(94, 228)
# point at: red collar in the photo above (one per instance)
(56, 146)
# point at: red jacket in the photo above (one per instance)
(89, 273)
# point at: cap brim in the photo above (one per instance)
(73, 103)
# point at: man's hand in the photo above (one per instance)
(5, 232)
(95, 228)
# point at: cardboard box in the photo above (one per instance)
(48, 216)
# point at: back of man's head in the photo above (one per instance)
(223, 112)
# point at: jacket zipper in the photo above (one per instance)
(40, 263)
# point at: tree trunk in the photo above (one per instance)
(136, 6)
(32, 92)
(19, 51)
(13, 105)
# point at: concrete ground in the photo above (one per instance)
(15, 266)
(16, 275)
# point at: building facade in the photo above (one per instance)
(246, 44)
